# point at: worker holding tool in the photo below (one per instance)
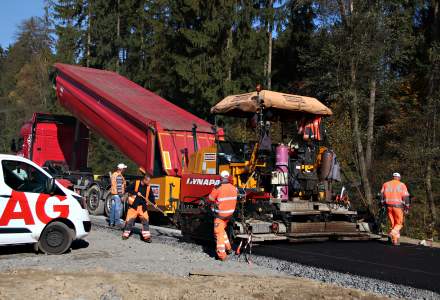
(140, 195)
(117, 190)
(395, 197)
(224, 199)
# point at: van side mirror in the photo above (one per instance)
(50, 186)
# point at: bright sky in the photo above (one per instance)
(12, 12)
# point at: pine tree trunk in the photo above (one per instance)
(354, 104)
(89, 37)
(269, 52)
(431, 122)
(358, 140)
(118, 35)
(430, 196)
(370, 127)
(229, 54)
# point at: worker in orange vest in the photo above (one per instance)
(118, 185)
(224, 198)
(395, 197)
(137, 193)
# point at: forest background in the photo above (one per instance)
(376, 63)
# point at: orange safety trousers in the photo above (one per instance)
(221, 238)
(132, 215)
(395, 214)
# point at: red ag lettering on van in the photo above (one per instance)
(25, 213)
(41, 212)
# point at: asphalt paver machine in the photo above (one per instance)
(288, 186)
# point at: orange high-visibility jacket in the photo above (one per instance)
(113, 188)
(225, 199)
(395, 193)
(134, 200)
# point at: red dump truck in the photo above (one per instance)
(149, 130)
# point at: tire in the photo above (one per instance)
(107, 203)
(55, 239)
(95, 205)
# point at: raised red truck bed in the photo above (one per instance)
(135, 120)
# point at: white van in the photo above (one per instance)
(35, 208)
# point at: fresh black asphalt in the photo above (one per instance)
(407, 264)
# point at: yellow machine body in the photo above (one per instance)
(203, 161)
(166, 189)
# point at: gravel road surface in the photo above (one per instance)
(105, 267)
(113, 261)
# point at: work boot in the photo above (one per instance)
(146, 236)
(222, 258)
(126, 235)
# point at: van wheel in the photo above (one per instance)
(56, 238)
(95, 205)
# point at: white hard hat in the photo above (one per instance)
(122, 166)
(224, 174)
(396, 174)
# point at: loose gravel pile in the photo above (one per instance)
(104, 249)
(170, 255)
(50, 284)
(294, 269)
(344, 280)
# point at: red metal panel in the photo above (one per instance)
(137, 103)
(194, 186)
(126, 115)
(50, 137)
(130, 137)
(47, 146)
(169, 155)
(173, 145)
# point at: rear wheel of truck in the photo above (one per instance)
(108, 205)
(56, 238)
(95, 205)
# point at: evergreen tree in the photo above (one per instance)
(374, 62)
(25, 83)
(68, 16)
(292, 47)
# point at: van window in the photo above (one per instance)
(23, 177)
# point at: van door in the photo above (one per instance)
(23, 202)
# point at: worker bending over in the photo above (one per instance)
(224, 199)
(138, 193)
(395, 197)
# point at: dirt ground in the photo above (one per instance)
(98, 284)
(105, 267)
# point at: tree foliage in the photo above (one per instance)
(376, 63)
